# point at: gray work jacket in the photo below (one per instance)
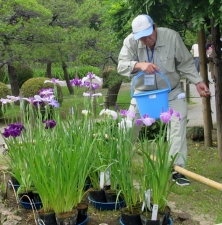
(170, 55)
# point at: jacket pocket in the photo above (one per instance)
(167, 63)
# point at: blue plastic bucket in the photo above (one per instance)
(152, 102)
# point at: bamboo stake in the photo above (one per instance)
(198, 178)
(192, 175)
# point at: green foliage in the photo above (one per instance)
(180, 16)
(159, 171)
(190, 38)
(4, 91)
(151, 132)
(57, 72)
(119, 18)
(82, 71)
(4, 76)
(23, 72)
(111, 77)
(32, 87)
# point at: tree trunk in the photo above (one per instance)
(218, 83)
(113, 93)
(49, 70)
(208, 125)
(66, 76)
(13, 80)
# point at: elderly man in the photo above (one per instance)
(150, 48)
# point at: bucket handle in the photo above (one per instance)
(142, 73)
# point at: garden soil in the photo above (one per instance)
(22, 216)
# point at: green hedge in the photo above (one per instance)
(57, 72)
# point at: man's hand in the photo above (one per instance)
(202, 89)
(146, 67)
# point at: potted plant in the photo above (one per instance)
(26, 192)
(157, 184)
(122, 169)
(58, 153)
(107, 141)
(21, 138)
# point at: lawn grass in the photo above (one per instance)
(199, 197)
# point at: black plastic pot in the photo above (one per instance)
(131, 217)
(147, 221)
(69, 218)
(163, 218)
(82, 209)
(166, 216)
(47, 218)
(106, 187)
(88, 184)
(97, 195)
(25, 202)
(110, 196)
(14, 181)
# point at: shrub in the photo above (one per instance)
(113, 81)
(57, 72)
(111, 77)
(4, 91)
(32, 87)
(23, 73)
(195, 133)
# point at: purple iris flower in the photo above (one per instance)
(90, 75)
(54, 103)
(49, 123)
(127, 113)
(146, 119)
(95, 86)
(76, 82)
(18, 126)
(13, 130)
(165, 117)
(55, 81)
(87, 84)
(46, 92)
(9, 99)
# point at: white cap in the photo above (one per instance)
(142, 26)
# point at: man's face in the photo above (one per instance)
(149, 40)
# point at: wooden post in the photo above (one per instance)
(188, 90)
(208, 124)
(106, 102)
(182, 86)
